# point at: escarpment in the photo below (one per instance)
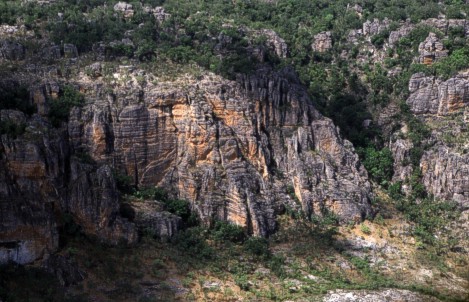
(41, 182)
(239, 150)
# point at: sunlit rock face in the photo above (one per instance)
(237, 150)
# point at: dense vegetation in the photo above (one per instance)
(16, 97)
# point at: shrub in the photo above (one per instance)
(243, 282)
(378, 40)
(16, 97)
(429, 215)
(257, 246)
(179, 207)
(395, 190)
(11, 128)
(146, 193)
(365, 229)
(193, 242)
(449, 66)
(224, 231)
(276, 264)
(123, 182)
(176, 206)
(60, 109)
(379, 163)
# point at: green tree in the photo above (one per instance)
(379, 163)
(59, 110)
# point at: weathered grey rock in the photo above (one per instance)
(440, 24)
(404, 30)
(444, 25)
(322, 41)
(371, 28)
(400, 149)
(431, 50)
(355, 8)
(95, 70)
(160, 14)
(275, 42)
(12, 50)
(423, 94)
(151, 217)
(446, 175)
(374, 296)
(94, 204)
(445, 165)
(354, 36)
(70, 51)
(453, 94)
(125, 8)
(8, 30)
(99, 51)
(462, 23)
(430, 95)
(51, 53)
(42, 94)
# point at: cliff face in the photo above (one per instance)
(237, 150)
(241, 151)
(441, 105)
(430, 95)
(40, 181)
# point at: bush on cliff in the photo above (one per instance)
(59, 111)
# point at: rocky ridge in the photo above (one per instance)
(431, 50)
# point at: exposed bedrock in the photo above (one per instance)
(237, 150)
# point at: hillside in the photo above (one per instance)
(234, 150)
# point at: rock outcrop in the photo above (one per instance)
(445, 163)
(125, 8)
(240, 151)
(442, 25)
(64, 269)
(431, 50)
(371, 28)
(430, 95)
(151, 217)
(159, 13)
(446, 175)
(372, 296)
(231, 148)
(70, 51)
(322, 41)
(275, 42)
(12, 50)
